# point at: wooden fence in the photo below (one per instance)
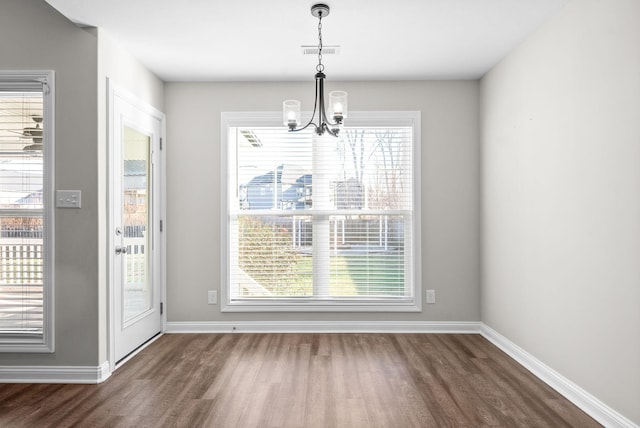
(22, 275)
(21, 287)
(21, 264)
(136, 262)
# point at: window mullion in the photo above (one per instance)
(321, 158)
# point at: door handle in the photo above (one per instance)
(121, 250)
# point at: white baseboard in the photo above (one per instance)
(54, 374)
(572, 392)
(322, 327)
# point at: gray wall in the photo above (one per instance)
(36, 36)
(561, 198)
(450, 190)
(33, 35)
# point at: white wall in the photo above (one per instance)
(120, 67)
(561, 198)
(450, 190)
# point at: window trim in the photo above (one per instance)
(45, 80)
(358, 118)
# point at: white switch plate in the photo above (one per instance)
(68, 199)
(212, 297)
(431, 296)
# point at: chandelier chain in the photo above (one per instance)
(320, 66)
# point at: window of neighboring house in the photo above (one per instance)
(321, 223)
(26, 214)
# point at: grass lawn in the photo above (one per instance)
(356, 275)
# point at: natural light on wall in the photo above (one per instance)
(321, 222)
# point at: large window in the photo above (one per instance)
(26, 280)
(321, 223)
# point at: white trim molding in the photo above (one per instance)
(55, 374)
(40, 80)
(261, 300)
(116, 98)
(471, 327)
(572, 392)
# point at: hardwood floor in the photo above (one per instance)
(302, 380)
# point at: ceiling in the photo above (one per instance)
(257, 40)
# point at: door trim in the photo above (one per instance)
(114, 90)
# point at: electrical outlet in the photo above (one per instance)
(431, 296)
(212, 297)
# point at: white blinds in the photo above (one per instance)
(21, 210)
(321, 218)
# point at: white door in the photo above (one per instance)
(134, 224)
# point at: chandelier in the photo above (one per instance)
(337, 99)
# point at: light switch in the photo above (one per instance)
(68, 198)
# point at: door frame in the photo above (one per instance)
(113, 91)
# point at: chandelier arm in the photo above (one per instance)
(322, 116)
(313, 115)
(315, 105)
(325, 128)
(319, 107)
(304, 127)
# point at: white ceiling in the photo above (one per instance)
(258, 40)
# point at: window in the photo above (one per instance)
(26, 217)
(321, 223)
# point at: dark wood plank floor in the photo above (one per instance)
(302, 380)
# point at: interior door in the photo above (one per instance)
(134, 223)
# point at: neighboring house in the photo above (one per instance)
(263, 194)
(135, 185)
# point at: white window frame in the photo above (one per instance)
(39, 80)
(368, 118)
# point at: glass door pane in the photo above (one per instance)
(137, 295)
